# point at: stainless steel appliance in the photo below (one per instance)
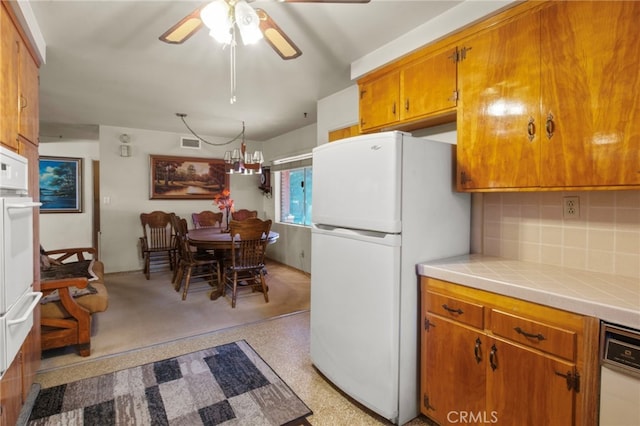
(17, 298)
(619, 376)
(381, 204)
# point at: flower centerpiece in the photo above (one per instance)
(225, 203)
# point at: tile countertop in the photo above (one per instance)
(611, 298)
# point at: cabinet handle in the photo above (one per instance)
(394, 109)
(573, 380)
(531, 128)
(463, 53)
(538, 336)
(550, 126)
(428, 324)
(477, 353)
(493, 358)
(453, 311)
(406, 105)
(465, 178)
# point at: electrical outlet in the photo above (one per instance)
(571, 207)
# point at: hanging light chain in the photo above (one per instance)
(232, 61)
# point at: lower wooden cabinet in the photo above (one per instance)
(17, 380)
(492, 359)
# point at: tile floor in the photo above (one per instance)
(283, 342)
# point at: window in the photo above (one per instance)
(295, 195)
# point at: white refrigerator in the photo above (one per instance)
(381, 204)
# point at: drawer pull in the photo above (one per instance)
(538, 336)
(453, 311)
(477, 352)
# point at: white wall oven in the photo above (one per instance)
(17, 298)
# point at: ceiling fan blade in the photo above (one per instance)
(185, 28)
(278, 40)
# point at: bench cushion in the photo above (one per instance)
(97, 302)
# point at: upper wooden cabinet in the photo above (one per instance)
(411, 90)
(428, 85)
(28, 88)
(499, 106)
(18, 86)
(379, 99)
(9, 59)
(345, 132)
(549, 100)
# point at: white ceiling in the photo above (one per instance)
(105, 64)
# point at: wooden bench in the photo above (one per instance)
(66, 314)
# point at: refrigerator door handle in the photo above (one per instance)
(358, 234)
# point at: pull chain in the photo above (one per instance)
(232, 49)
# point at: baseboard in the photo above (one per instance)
(25, 413)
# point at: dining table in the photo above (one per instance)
(219, 240)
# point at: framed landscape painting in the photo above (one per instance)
(188, 178)
(60, 185)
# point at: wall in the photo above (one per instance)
(64, 230)
(530, 227)
(294, 245)
(124, 186)
(337, 111)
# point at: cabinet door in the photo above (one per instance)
(379, 101)
(9, 39)
(499, 86)
(11, 392)
(28, 91)
(345, 132)
(453, 370)
(590, 83)
(526, 387)
(428, 85)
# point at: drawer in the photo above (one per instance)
(460, 310)
(545, 337)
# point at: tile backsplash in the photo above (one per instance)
(531, 226)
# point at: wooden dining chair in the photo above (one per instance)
(206, 218)
(157, 243)
(243, 214)
(195, 264)
(248, 250)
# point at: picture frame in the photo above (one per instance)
(60, 181)
(186, 178)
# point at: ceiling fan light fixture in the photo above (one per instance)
(248, 22)
(216, 16)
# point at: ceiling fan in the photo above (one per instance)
(223, 16)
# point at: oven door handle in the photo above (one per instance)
(24, 205)
(37, 295)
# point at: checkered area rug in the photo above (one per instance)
(227, 384)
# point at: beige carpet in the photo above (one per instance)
(144, 313)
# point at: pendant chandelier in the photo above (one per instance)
(238, 160)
